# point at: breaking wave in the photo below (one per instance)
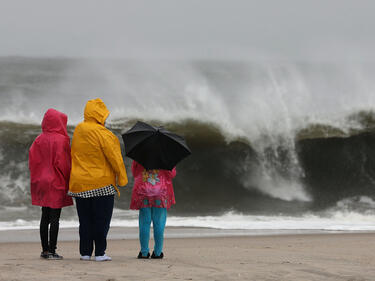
(267, 139)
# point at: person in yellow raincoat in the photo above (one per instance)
(97, 170)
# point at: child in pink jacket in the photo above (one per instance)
(152, 195)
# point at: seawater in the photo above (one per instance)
(275, 145)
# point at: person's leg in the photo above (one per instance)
(144, 230)
(159, 218)
(103, 209)
(43, 229)
(54, 219)
(84, 212)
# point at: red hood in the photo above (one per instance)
(55, 122)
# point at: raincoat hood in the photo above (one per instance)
(55, 122)
(96, 111)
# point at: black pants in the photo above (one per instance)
(94, 219)
(50, 217)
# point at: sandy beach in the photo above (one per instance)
(274, 257)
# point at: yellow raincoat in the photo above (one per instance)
(96, 152)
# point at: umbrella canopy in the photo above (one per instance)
(154, 147)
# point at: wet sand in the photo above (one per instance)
(273, 257)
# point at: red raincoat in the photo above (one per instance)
(49, 163)
(152, 188)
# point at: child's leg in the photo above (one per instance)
(159, 218)
(54, 218)
(144, 229)
(102, 209)
(43, 228)
(84, 210)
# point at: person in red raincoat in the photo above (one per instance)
(152, 195)
(49, 165)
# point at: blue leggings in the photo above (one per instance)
(159, 218)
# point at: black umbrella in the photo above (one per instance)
(154, 147)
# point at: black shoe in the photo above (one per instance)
(140, 256)
(153, 256)
(54, 256)
(44, 255)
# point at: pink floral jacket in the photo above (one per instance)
(152, 188)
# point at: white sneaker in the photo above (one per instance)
(103, 258)
(85, 258)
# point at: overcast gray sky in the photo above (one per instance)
(178, 29)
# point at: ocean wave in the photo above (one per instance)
(353, 124)
(267, 138)
(242, 99)
(308, 173)
(334, 221)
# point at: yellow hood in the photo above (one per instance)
(96, 111)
